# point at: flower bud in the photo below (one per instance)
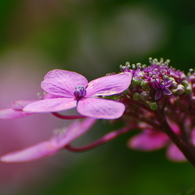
(144, 96)
(185, 83)
(153, 105)
(188, 89)
(135, 82)
(180, 89)
(192, 78)
(144, 85)
(136, 96)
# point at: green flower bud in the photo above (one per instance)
(188, 89)
(136, 96)
(144, 85)
(180, 89)
(153, 105)
(135, 82)
(185, 83)
(174, 91)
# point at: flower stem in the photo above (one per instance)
(105, 138)
(67, 117)
(185, 148)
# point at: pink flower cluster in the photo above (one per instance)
(156, 99)
(66, 90)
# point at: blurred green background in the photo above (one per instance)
(92, 37)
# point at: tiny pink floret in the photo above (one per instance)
(69, 89)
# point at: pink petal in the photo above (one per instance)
(167, 91)
(15, 110)
(62, 82)
(31, 153)
(10, 113)
(148, 141)
(51, 105)
(174, 154)
(20, 104)
(50, 96)
(51, 146)
(100, 108)
(158, 94)
(109, 85)
(75, 130)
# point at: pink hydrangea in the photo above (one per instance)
(68, 89)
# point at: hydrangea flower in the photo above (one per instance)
(53, 145)
(160, 101)
(68, 89)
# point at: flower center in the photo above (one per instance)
(79, 92)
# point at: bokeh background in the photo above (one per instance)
(92, 37)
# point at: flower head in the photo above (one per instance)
(160, 101)
(157, 79)
(68, 89)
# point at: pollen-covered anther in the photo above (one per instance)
(125, 68)
(127, 64)
(138, 65)
(191, 71)
(167, 62)
(133, 66)
(150, 60)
